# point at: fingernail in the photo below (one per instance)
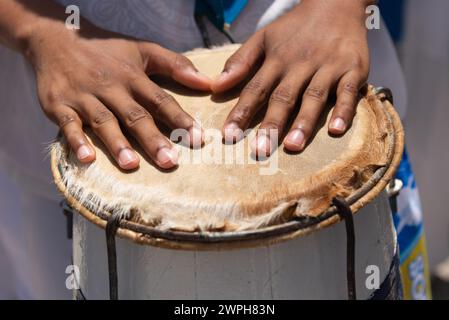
(196, 136)
(261, 146)
(127, 156)
(232, 133)
(338, 124)
(296, 139)
(166, 156)
(83, 152)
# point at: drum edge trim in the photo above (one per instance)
(252, 238)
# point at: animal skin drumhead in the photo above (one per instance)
(221, 187)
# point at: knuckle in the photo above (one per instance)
(128, 67)
(53, 96)
(350, 88)
(136, 114)
(151, 139)
(241, 113)
(65, 119)
(316, 93)
(256, 87)
(303, 56)
(284, 96)
(101, 116)
(357, 62)
(130, 71)
(74, 137)
(161, 100)
(100, 76)
(360, 66)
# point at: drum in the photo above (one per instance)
(224, 225)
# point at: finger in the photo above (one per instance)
(178, 67)
(72, 128)
(240, 64)
(164, 107)
(141, 125)
(347, 100)
(253, 97)
(106, 127)
(282, 104)
(313, 102)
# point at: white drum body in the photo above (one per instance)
(310, 267)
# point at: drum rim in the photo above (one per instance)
(212, 240)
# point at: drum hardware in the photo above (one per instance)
(68, 212)
(384, 94)
(199, 19)
(236, 236)
(345, 212)
(395, 185)
(79, 295)
(111, 230)
(393, 190)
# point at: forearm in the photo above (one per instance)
(21, 19)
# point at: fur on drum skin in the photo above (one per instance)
(89, 183)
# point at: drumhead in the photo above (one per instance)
(222, 189)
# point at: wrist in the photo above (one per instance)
(21, 20)
(358, 6)
(343, 13)
(34, 35)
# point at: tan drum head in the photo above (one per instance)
(210, 200)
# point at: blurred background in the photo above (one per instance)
(420, 30)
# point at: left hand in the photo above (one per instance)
(318, 49)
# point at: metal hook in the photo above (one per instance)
(384, 94)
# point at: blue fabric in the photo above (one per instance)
(408, 219)
(393, 14)
(220, 12)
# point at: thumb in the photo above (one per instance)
(165, 62)
(240, 64)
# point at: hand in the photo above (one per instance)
(100, 79)
(318, 49)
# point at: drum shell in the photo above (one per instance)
(310, 267)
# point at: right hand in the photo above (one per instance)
(100, 79)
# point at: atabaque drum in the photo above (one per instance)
(223, 225)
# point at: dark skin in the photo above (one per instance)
(100, 79)
(317, 49)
